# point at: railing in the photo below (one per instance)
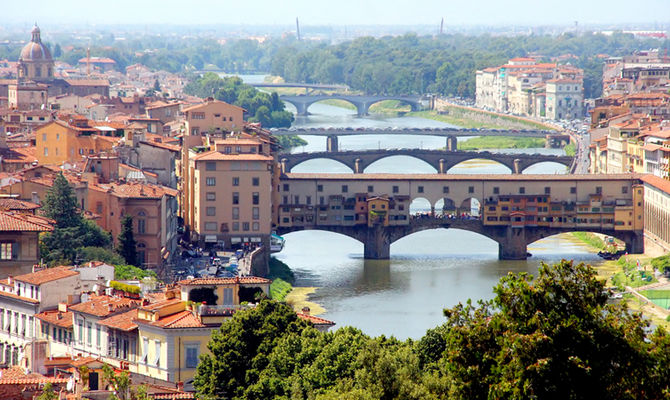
(205, 309)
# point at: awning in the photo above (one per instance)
(235, 240)
(210, 239)
(255, 240)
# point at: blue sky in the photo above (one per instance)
(338, 12)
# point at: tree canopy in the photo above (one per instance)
(127, 247)
(554, 336)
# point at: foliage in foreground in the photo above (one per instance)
(554, 336)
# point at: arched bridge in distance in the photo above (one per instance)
(441, 160)
(515, 210)
(361, 102)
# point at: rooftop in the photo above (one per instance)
(55, 317)
(182, 319)
(218, 156)
(46, 275)
(225, 281)
(122, 322)
(104, 305)
(7, 203)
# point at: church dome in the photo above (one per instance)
(35, 50)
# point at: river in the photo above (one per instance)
(429, 270)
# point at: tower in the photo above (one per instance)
(35, 62)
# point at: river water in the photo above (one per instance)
(429, 270)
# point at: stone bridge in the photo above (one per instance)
(512, 243)
(362, 103)
(441, 160)
(514, 210)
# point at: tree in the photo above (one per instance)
(239, 349)
(60, 204)
(48, 393)
(119, 384)
(157, 86)
(57, 51)
(127, 247)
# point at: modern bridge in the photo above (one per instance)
(441, 160)
(318, 86)
(362, 102)
(513, 210)
(554, 138)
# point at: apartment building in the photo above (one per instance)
(230, 194)
(22, 299)
(19, 241)
(525, 87)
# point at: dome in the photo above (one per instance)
(35, 50)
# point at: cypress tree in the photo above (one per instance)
(60, 204)
(127, 245)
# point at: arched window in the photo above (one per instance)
(141, 222)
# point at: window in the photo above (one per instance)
(296, 199)
(286, 187)
(98, 339)
(445, 189)
(227, 296)
(6, 251)
(236, 197)
(46, 151)
(210, 166)
(345, 188)
(211, 196)
(471, 189)
(371, 188)
(255, 198)
(211, 181)
(141, 226)
(210, 211)
(599, 190)
(255, 181)
(145, 349)
(255, 226)
(192, 355)
(624, 189)
(245, 226)
(419, 189)
(236, 213)
(236, 226)
(319, 188)
(255, 212)
(80, 324)
(496, 190)
(573, 190)
(522, 190)
(44, 137)
(157, 353)
(308, 200)
(236, 181)
(89, 333)
(547, 190)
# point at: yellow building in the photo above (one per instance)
(378, 210)
(60, 141)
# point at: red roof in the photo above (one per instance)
(218, 156)
(315, 320)
(105, 305)
(657, 182)
(16, 204)
(55, 317)
(122, 322)
(17, 376)
(47, 275)
(182, 319)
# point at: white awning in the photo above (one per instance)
(210, 239)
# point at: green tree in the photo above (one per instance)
(127, 247)
(120, 385)
(48, 393)
(239, 350)
(60, 204)
(157, 86)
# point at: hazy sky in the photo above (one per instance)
(337, 12)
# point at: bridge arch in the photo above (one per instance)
(423, 165)
(485, 169)
(484, 242)
(334, 165)
(445, 206)
(541, 167)
(420, 204)
(471, 206)
(415, 105)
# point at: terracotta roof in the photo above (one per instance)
(160, 304)
(182, 319)
(225, 281)
(122, 322)
(135, 190)
(17, 297)
(103, 306)
(87, 82)
(218, 156)
(315, 320)
(166, 146)
(16, 204)
(83, 361)
(657, 182)
(19, 155)
(55, 317)
(17, 376)
(46, 275)
(198, 106)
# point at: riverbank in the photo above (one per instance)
(472, 118)
(500, 142)
(298, 299)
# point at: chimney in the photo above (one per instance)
(110, 307)
(306, 310)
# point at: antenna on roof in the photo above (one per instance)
(442, 26)
(297, 28)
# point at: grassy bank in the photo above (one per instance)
(570, 150)
(279, 289)
(500, 142)
(592, 240)
(288, 142)
(469, 118)
(298, 299)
